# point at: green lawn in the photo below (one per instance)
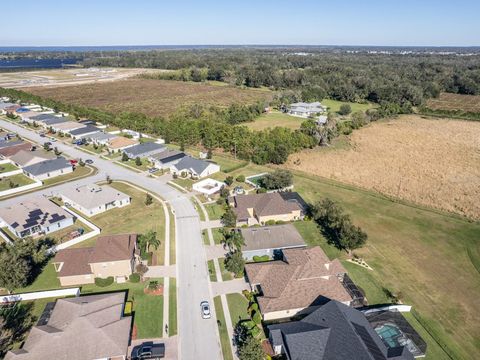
(186, 183)
(334, 105)
(200, 212)
(63, 235)
(205, 237)
(173, 249)
(225, 340)
(148, 309)
(172, 307)
(274, 119)
(18, 180)
(7, 167)
(47, 280)
(79, 172)
(91, 147)
(238, 305)
(211, 270)
(226, 275)
(228, 163)
(214, 211)
(313, 237)
(144, 165)
(217, 236)
(425, 255)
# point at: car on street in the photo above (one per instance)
(148, 350)
(153, 170)
(52, 139)
(47, 143)
(42, 134)
(89, 161)
(205, 307)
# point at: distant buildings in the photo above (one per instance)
(306, 110)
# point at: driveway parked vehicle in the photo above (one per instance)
(89, 161)
(153, 170)
(148, 350)
(205, 310)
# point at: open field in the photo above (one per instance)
(430, 162)
(428, 256)
(274, 119)
(447, 101)
(150, 97)
(334, 105)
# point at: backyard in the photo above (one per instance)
(14, 181)
(7, 167)
(273, 119)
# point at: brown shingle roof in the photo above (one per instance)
(304, 278)
(263, 205)
(121, 142)
(75, 261)
(12, 150)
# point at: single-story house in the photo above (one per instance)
(54, 121)
(100, 138)
(208, 186)
(270, 240)
(67, 127)
(333, 331)
(84, 131)
(254, 209)
(120, 143)
(144, 150)
(166, 158)
(25, 158)
(3, 106)
(305, 110)
(10, 148)
(112, 255)
(25, 114)
(34, 217)
(11, 109)
(42, 118)
(94, 199)
(194, 168)
(298, 284)
(79, 328)
(48, 169)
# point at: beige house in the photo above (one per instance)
(298, 284)
(113, 255)
(260, 208)
(120, 143)
(25, 158)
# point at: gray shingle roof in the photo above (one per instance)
(54, 121)
(168, 156)
(101, 136)
(271, 237)
(144, 149)
(93, 196)
(44, 117)
(84, 130)
(48, 166)
(189, 162)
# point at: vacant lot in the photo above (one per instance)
(446, 101)
(151, 97)
(274, 119)
(430, 162)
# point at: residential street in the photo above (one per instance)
(198, 338)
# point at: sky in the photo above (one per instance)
(240, 22)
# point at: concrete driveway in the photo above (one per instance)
(171, 346)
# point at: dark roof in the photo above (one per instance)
(54, 121)
(43, 117)
(84, 130)
(333, 332)
(48, 166)
(144, 149)
(271, 237)
(189, 162)
(267, 204)
(168, 156)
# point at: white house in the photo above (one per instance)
(305, 110)
(194, 168)
(93, 199)
(48, 169)
(100, 138)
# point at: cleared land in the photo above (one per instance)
(334, 105)
(150, 97)
(427, 256)
(274, 119)
(446, 101)
(430, 162)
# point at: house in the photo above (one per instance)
(93, 199)
(11, 109)
(48, 169)
(270, 240)
(10, 148)
(112, 255)
(166, 158)
(25, 114)
(298, 284)
(120, 143)
(42, 118)
(35, 217)
(100, 138)
(208, 186)
(25, 158)
(333, 332)
(67, 127)
(194, 168)
(3, 107)
(144, 150)
(256, 209)
(84, 131)
(305, 110)
(79, 328)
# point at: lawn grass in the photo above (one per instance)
(217, 236)
(426, 255)
(18, 180)
(7, 167)
(226, 275)
(211, 270)
(148, 309)
(228, 163)
(222, 328)
(205, 239)
(311, 234)
(47, 280)
(214, 211)
(334, 105)
(196, 204)
(186, 183)
(238, 305)
(273, 119)
(90, 147)
(172, 307)
(145, 164)
(173, 249)
(62, 235)
(79, 172)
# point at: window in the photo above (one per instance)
(58, 224)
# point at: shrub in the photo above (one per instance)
(241, 178)
(153, 285)
(279, 222)
(229, 180)
(345, 109)
(257, 318)
(270, 222)
(141, 269)
(134, 278)
(104, 282)
(261, 258)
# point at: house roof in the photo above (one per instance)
(47, 166)
(121, 142)
(26, 157)
(4, 105)
(12, 150)
(101, 136)
(87, 129)
(69, 125)
(107, 249)
(168, 156)
(92, 196)
(55, 121)
(43, 117)
(190, 163)
(6, 144)
(267, 204)
(80, 328)
(271, 237)
(144, 149)
(305, 277)
(37, 211)
(333, 332)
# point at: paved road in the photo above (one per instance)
(198, 338)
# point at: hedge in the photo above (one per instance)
(104, 282)
(134, 278)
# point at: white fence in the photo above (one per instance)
(36, 184)
(10, 173)
(40, 295)
(399, 308)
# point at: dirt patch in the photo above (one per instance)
(446, 101)
(433, 162)
(150, 97)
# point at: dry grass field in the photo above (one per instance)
(151, 97)
(446, 101)
(430, 162)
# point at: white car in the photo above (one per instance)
(205, 310)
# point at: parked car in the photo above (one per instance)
(52, 139)
(148, 350)
(79, 142)
(73, 162)
(205, 307)
(153, 170)
(47, 143)
(89, 161)
(42, 134)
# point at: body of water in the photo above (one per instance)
(29, 63)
